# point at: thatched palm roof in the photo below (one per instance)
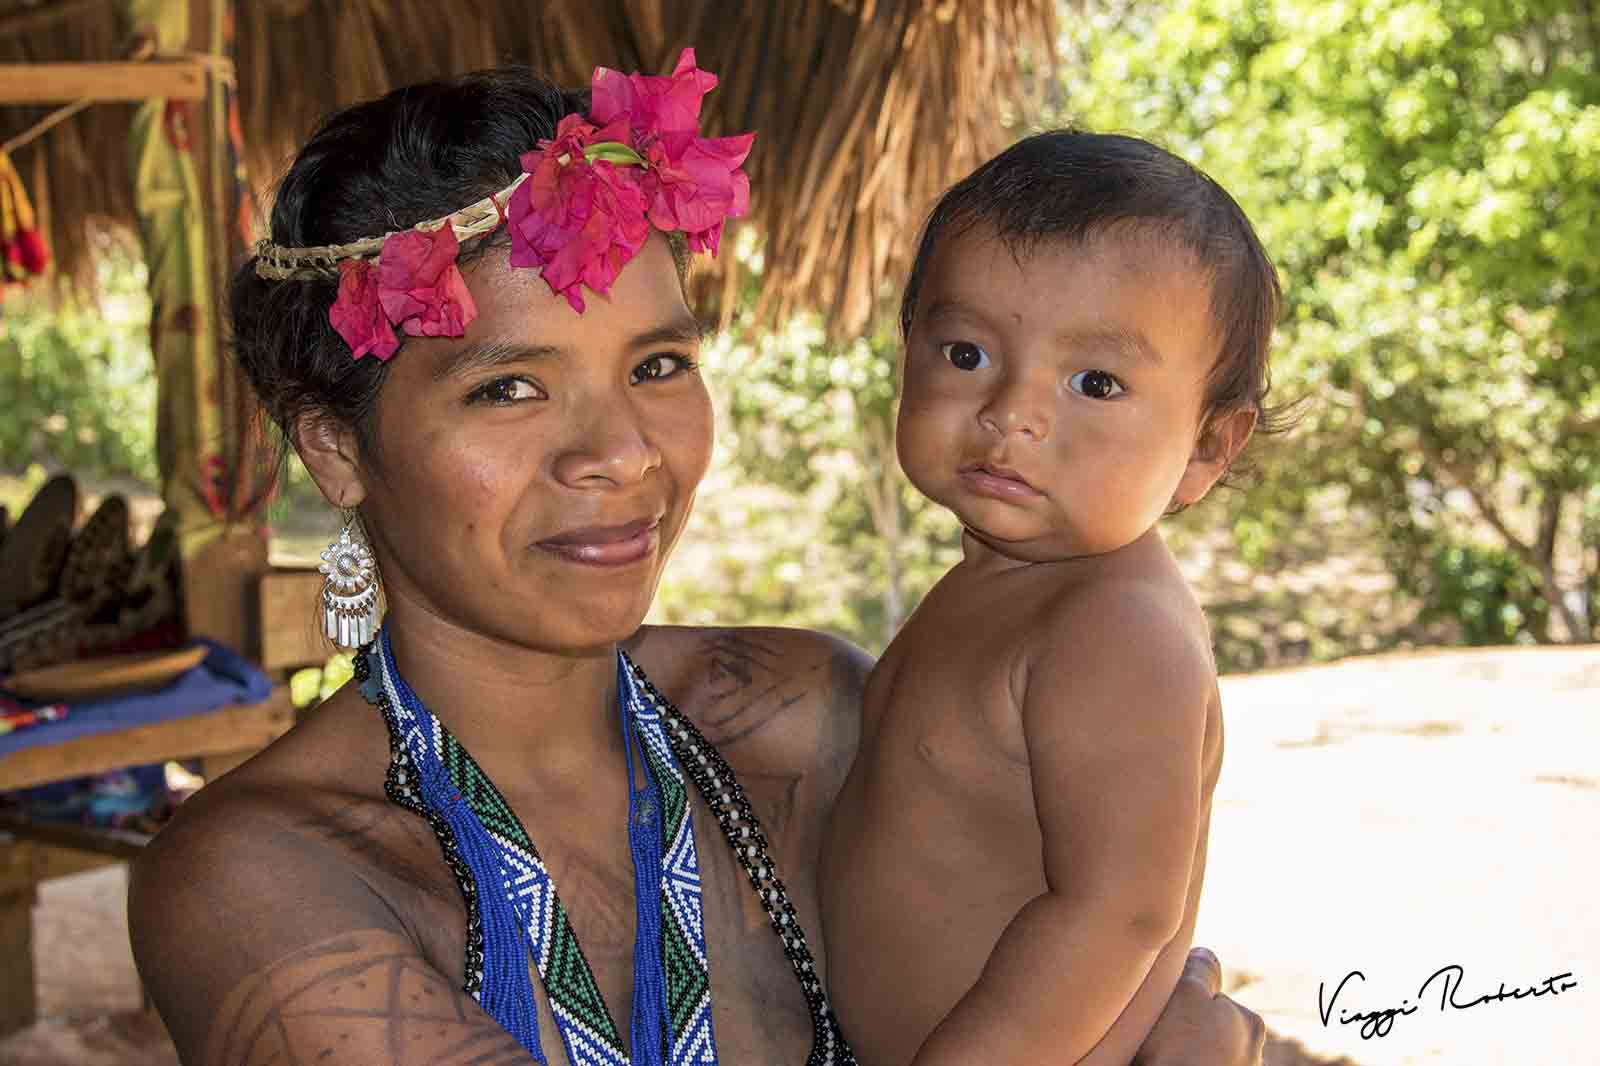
(865, 108)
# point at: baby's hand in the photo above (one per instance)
(1202, 1027)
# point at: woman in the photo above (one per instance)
(523, 472)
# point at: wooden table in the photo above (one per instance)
(284, 606)
(221, 739)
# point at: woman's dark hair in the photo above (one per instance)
(420, 152)
(1069, 185)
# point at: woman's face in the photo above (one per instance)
(532, 477)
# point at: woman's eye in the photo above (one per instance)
(1095, 384)
(964, 355)
(666, 365)
(505, 391)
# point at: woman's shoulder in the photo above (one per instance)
(236, 844)
(768, 697)
(772, 650)
(289, 850)
(275, 821)
(274, 810)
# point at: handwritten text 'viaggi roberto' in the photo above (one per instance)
(1446, 983)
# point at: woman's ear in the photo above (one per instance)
(329, 450)
(1222, 437)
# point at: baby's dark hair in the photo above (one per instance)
(1070, 185)
(417, 153)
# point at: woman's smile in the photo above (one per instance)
(607, 546)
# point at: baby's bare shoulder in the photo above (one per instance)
(1124, 638)
(1115, 607)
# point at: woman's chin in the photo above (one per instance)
(596, 623)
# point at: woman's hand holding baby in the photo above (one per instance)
(1203, 1027)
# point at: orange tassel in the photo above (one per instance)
(23, 251)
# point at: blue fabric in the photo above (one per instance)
(224, 677)
(99, 799)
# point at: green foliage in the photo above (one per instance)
(1489, 593)
(1426, 174)
(17, 491)
(311, 686)
(77, 377)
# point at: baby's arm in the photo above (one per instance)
(1114, 713)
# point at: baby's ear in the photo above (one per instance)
(1222, 437)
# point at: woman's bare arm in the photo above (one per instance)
(360, 997)
(260, 943)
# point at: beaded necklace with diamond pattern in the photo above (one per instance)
(569, 983)
(672, 1019)
(715, 781)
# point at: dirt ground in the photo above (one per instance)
(1390, 815)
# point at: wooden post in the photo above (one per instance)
(18, 1007)
(221, 588)
(18, 894)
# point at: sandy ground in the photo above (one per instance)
(1398, 814)
(1390, 815)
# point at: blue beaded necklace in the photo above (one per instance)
(487, 846)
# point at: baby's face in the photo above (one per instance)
(1054, 403)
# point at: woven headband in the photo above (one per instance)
(582, 207)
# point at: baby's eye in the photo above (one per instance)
(664, 365)
(508, 390)
(964, 355)
(1095, 384)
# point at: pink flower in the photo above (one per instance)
(580, 221)
(594, 190)
(699, 189)
(357, 315)
(664, 108)
(693, 183)
(420, 286)
(556, 189)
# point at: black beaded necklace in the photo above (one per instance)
(715, 781)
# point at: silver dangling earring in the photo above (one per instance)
(350, 593)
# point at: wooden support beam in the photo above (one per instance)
(247, 727)
(60, 83)
(22, 866)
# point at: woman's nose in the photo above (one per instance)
(1019, 407)
(611, 447)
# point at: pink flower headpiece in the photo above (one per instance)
(581, 208)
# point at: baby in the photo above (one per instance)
(1014, 864)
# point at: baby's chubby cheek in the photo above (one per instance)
(923, 450)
